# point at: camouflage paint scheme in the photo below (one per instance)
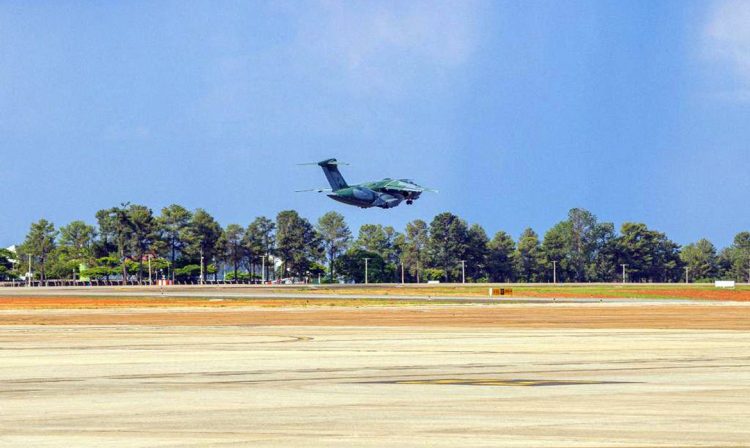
(386, 193)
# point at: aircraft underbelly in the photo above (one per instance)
(351, 201)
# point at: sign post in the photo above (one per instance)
(501, 292)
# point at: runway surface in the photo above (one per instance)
(356, 385)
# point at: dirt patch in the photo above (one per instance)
(660, 293)
(503, 316)
(57, 303)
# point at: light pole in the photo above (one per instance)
(203, 274)
(150, 281)
(402, 272)
(366, 260)
(623, 272)
(263, 270)
(554, 272)
(687, 269)
(463, 271)
(29, 275)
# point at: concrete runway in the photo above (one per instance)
(125, 386)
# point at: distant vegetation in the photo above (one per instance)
(181, 244)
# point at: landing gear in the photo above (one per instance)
(409, 202)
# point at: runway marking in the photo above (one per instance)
(499, 382)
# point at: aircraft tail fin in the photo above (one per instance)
(331, 170)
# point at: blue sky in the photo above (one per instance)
(516, 111)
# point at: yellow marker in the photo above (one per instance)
(500, 292)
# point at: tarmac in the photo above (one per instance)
(190, 367)
(363, 385)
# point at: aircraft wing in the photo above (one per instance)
(407, 186)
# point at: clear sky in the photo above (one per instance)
(515, 111)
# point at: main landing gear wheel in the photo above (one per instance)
(409, 202)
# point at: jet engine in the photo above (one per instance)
(364, 194)
(386, 200)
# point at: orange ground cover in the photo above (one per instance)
(20, 303)
(676, 293)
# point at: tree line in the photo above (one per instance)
(130, 242)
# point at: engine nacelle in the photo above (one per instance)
(364, 194)
(386, 200)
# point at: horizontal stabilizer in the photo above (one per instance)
(325, 162)
(317, 190)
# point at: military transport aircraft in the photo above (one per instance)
(386, 193)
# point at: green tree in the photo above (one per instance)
(116, 228)
(399, 256)
(76, 245)
(6, 264)
(78, 237)
(253, 250)
(231, 246)
(172, 226)
(39, 243)
(143, 234)
(573, 244)
(375, 238)
(297, 243)
(724, 264)
(351, 265)
(477, 253)
(528, 257)
(260, 240)
(650, 255)
(500, 258)
(103, 267)
(583, 238)
(394, 246)
(604, 265)
(202, 235)
(448, 243)
(701, 260)
(334, 236)
(381, 240)
(415, 247)
(188, 272)
(557, 249)
(738, 258)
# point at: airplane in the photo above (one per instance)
(386, 193)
